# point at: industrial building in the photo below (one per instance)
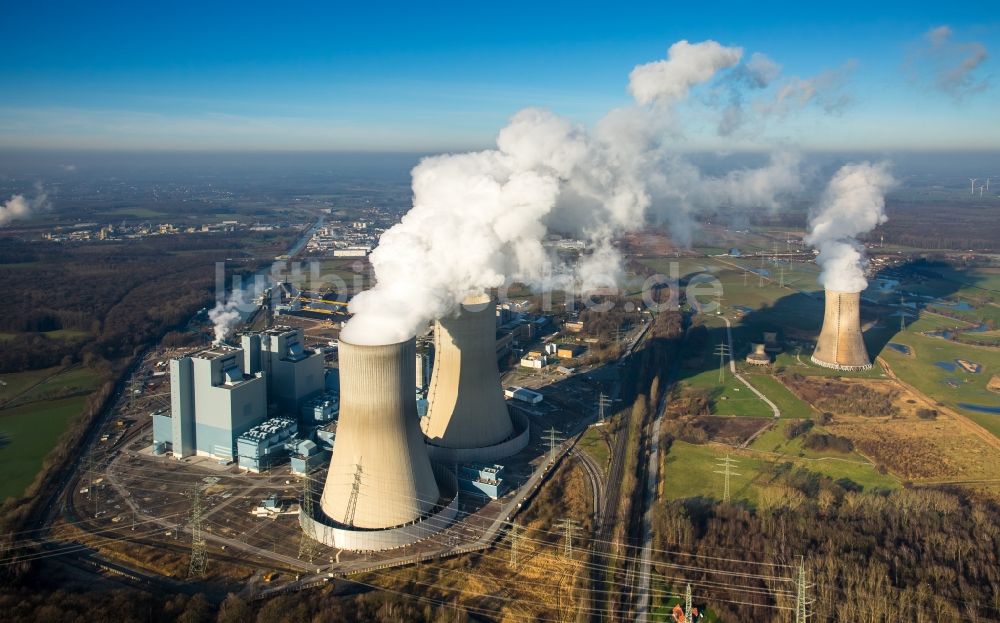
(321, 409)
(381, 490)
(841, 346)
(294, 374)
(213, 400)
(481, 479)
(523, 394)
(266, 444)
(467, 418)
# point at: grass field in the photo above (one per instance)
(33, 419)
(690, 469)
(16, 383)
(790, 405)
(29, 432)
(948, 387)
(592, 442)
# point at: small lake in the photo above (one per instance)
(899, 348)
(946, 365)
(980, 408)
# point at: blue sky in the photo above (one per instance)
(289, 76)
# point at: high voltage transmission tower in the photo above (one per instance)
(722, 350)
(726, 465)
(131, 392)
(687, 602)
(199, 551)
(569, 528)
(801, 615)
(352, 502)
(308, 549)
(554, 440)
(515, 544)
(602, 403)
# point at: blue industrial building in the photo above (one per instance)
(481, 479)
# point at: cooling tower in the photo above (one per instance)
(467, 417)
(381, 490)
(840, 345)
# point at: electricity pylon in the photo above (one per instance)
(308, 549)
(602, 402)
(727, 464)
(569, 527)
(553, 439)
(352, 502)
(722, 350)
(199, 550)
(801, 616)
(687, 602)
(515, 542)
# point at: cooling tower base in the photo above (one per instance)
(487, 454)
(837, 366)
(335, 534)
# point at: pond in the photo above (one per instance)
(980, 408)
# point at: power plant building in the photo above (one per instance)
(841, 346)
(467, 417)
(213, 400)
(294, 374)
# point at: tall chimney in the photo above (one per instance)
(840, 345)
(467, 413)
(380, 474)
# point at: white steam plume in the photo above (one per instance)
(478, 219)
(225, 316)
(19, 207)
(853, 204)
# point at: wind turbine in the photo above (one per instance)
(973, 189)
(981, 187)
(988, 184)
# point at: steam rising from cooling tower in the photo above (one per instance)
(853, 204)
(467, 417)
(478, 219)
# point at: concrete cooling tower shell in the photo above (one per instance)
(467, 417)
(381, 489)
(841, 345)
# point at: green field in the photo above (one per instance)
(921, 372)
(592, 442)
(690, 469)
(40, 406)
(29, 432)
(790, 405)
(15, 383)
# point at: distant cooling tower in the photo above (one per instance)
(840, 345)
(467, 417)
(381, 490)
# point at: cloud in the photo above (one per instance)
(688, 64)
(948, 66)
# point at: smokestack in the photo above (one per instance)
(467, 417)
(380, 475)
(840, 345)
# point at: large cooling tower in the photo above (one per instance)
(467, 417)
(840, 345)
(380, 474)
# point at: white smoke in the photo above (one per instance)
(687, 64)
(18, 207)
(478, 219)
(226, 316)
(853, 204)
(949, 66)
